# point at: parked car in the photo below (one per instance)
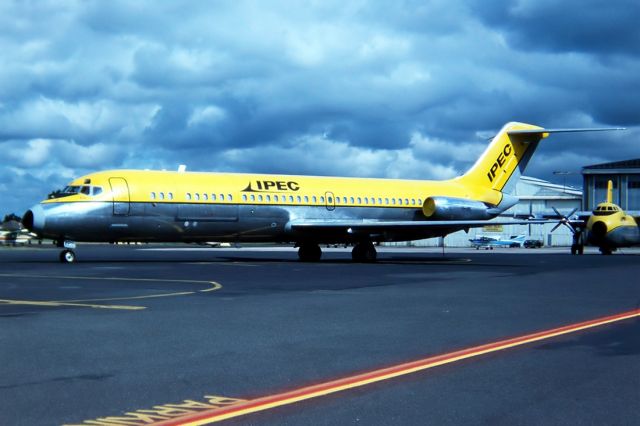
(533, 244)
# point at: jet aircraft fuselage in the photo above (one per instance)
(160, 206)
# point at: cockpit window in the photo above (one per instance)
(65, 192)
(602, 213)
(76, 189)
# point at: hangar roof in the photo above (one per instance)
(626, 166)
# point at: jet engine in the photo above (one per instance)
(447, 208)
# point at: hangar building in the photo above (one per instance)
(626, 184)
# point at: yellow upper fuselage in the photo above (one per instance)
(484, 183)
(234, 188)
(612, 216)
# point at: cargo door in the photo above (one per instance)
(120, 194)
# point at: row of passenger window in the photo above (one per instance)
(162, 196)
(330, 200)
(190, 197)
(298, 199)
(207, 197)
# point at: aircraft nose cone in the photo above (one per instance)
(34, 219)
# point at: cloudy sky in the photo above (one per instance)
(408, 89)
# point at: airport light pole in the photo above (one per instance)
(564, 175)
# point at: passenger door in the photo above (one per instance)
(121, 196)
(330, 201)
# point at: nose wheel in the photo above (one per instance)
(67, 256)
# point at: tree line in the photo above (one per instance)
(10, 217)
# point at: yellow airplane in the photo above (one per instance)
(160, 206)
(608, 227)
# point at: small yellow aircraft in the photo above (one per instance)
(608, 227)
(160, 206)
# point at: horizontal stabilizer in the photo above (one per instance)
(539, 131)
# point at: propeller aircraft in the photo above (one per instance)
(607, 227)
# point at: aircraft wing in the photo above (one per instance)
(552, 215)
(355, 227)
(577, 219)
(634, 213)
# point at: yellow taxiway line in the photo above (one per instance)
(212, 286)
(80, 305)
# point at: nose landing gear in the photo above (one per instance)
(68, 255)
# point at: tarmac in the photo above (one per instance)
(133, 335)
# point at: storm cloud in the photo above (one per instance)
(409, 89)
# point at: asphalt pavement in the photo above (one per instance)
(135, 335)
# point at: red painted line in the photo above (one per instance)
(272, 401)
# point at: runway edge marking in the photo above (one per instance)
(314, 391)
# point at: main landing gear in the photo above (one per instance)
(68, 255)
(577, 245)
(364, 252)
(577, 249)
(309, 252)
(606, 251)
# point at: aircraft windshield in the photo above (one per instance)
(76, 189)
(603, 212)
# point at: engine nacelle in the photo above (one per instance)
(447, 208)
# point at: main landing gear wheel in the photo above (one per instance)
(309, 252)
(364, 252)
(67, 256)
(578, 241)
(577, 249)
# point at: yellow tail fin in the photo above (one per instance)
(504, 160)
(508, 154)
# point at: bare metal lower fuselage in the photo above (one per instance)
(175, 222)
